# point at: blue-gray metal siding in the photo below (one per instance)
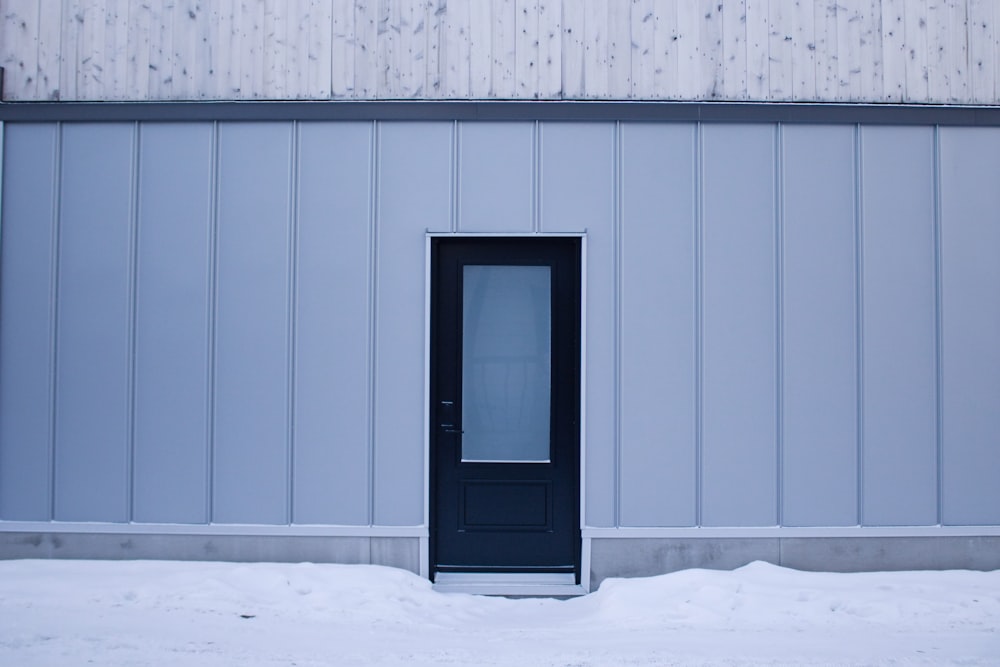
(658, 294)
(970, 324)
(737, 327)
(496, 162)
(224, 322)
(93, 323)
(27, 287)
(899, 440)
(172, 337)
(331, 324)
(818, 388)
(252, 325)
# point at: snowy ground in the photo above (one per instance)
(57, 613)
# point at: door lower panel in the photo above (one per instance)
(506, 505)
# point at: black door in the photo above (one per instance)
(505, 405)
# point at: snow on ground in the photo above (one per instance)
(56, 613)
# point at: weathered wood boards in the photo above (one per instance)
(916, 51)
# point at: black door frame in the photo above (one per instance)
(427, 544)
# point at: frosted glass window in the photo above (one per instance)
(506, 363)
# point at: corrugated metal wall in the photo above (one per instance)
(224, 322)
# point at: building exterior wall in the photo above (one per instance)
(787, 325)
(898, 51)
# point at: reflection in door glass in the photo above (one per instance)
(506, 368)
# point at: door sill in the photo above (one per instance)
(509, 584)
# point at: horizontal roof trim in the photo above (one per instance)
(708, 112)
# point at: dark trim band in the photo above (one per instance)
(708, 112)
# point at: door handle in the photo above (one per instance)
(447, 415)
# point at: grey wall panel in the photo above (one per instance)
(251, 332)
(899, 434)
(496, 171)
(94, 301)
(970, 294)
(577, 193)
(738, 413)
(332, 386)
(414, 195)
(173, 282)
(287, 296)
(26, 263)
(819, 363)
(658, 326)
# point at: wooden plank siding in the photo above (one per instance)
(895, 51)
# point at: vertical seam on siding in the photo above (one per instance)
(699, 314)
(536, 177)
(456, 159)
(617, 376)
(938, 327)
(133, 295)
(2, 128)
(373, 221)
(213, 290)
(292, 314)
(779, 323)
(56, 253)
(536, 170)
(859, 322)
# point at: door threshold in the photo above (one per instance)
(519, 584)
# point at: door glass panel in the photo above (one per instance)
(506, 363)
